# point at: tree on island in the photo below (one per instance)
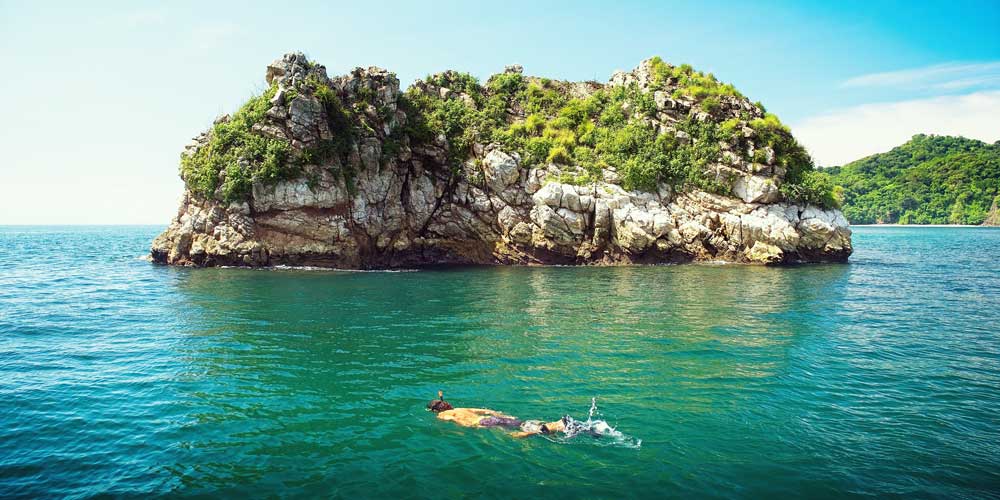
(928, 180)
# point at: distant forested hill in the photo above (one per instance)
(928, 180)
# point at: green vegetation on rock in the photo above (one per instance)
(235, 155)
(691, 83)
(928, 180)
(235, 148)
(669, 124)
(548, 121)
(343, 123)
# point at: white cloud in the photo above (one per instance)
(948, 76)
(849, 134)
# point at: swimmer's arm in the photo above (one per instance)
(522, 434)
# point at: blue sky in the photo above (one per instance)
(100, 99)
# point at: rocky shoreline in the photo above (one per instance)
(403, 205)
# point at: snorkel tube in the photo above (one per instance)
(439, 404)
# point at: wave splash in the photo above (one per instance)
(600, 432)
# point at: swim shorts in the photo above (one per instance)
(496, 421)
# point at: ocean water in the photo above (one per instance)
(876, 378)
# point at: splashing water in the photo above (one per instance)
(600, 432)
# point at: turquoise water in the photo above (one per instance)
(876, 378)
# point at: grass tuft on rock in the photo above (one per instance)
(243, 155)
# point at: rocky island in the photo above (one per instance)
(660, 164)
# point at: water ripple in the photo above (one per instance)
(123, 378)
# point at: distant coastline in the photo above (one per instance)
(918, 225)
(932, 179)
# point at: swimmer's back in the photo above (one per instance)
(468, 417)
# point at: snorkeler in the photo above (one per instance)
(481, 417)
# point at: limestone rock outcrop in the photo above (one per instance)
(388, 201)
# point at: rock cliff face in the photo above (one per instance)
(384, 199)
